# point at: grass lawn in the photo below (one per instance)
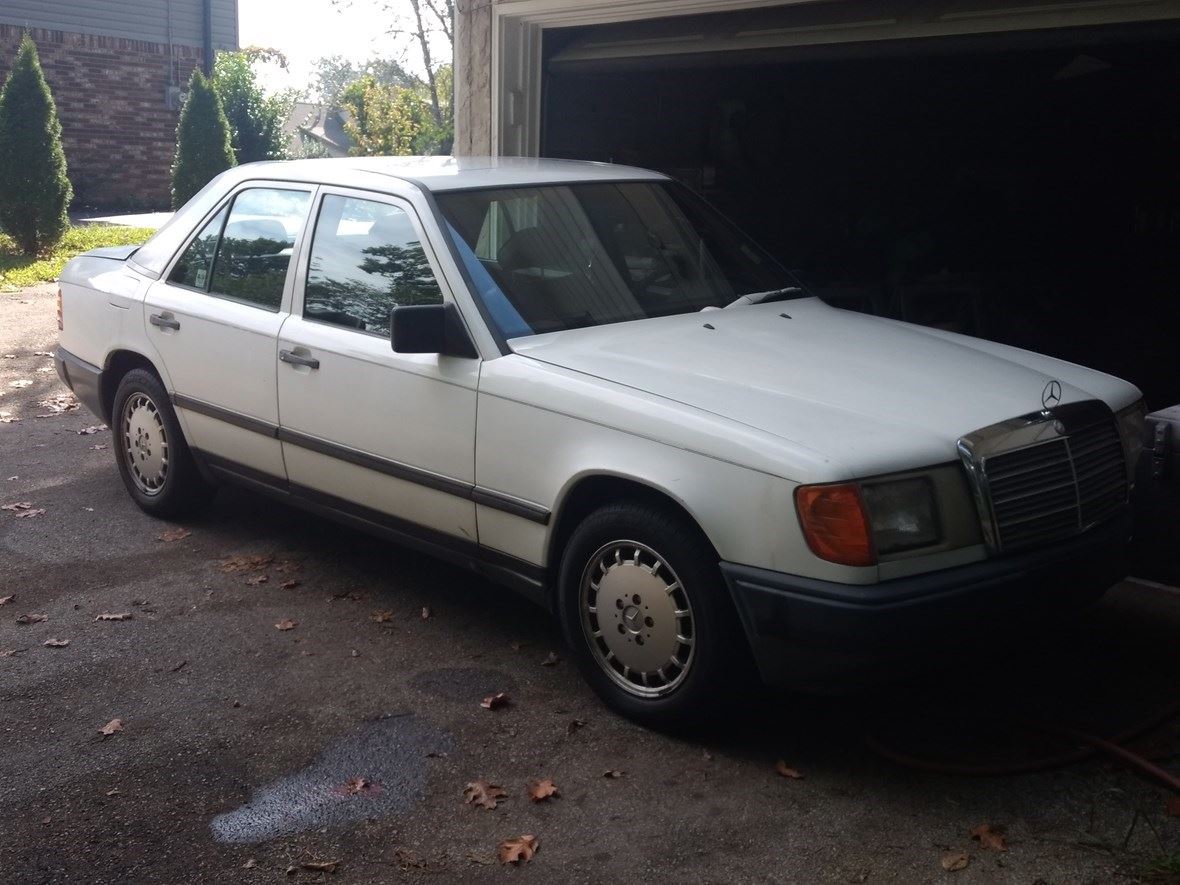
(18, 271)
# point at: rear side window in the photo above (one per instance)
(243, 253)
(366, 258)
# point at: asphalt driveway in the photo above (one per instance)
(291, 694)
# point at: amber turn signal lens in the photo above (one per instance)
(835, 523)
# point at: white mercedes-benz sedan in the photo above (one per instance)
(583, 382)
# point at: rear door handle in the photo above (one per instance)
(295, 359)
(164, 321)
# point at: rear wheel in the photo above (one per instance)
(154, 460)
(644, 608)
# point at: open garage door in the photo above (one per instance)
(1006, 172)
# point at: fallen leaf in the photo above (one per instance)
(574, 725)
(542, 789)
(289, 584)
(355, 785)
(92, 429)
(174, 535)
(518, 849)
(120, 616)
(56, 643)
(783, 770)
(953, 861)
(9, 652)
(426, 613)
(551, 660)
(8, 418)
(246, 563)
(32, 619)
(29, 513)
(20, 383)
(19, 505)
(257, 579)
(250, 864)
(286, 624)
(495, 701)
(59, 405)
(1174, 806)
(98, 447)
(483, 794)
(613, 773)
(991, 839)
(4, 600)
(381, 617)
(111, 727)
(320, 866)
(42, 353)
(114, 792)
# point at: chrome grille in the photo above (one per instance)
(1047, 476)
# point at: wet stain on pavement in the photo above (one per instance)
(377, 771)
(463, 683)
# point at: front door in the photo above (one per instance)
(388, 436)
(214, 321)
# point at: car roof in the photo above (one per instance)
(446, 173)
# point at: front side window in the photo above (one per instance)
(195, 264)
(366, 258)
(244, 251)
(545, 259)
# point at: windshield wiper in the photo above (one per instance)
(768, 295)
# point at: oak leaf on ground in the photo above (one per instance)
(952, 861)
(118, 616)
(56, 643)
(111, 727)
(286, 624)
(518, 849)
(173, 535)
(495, 701)
(32, 618)
(381, 617)
(541, 789)
(990, 838)
(783, 770)
(4, 600)
(482, 794)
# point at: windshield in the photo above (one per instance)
(545, 259)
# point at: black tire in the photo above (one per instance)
(182, 490)
(718, 671)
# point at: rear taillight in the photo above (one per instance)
(60, 326)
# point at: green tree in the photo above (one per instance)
(394, 120)
(203, 145)
(255, 119)
(34, 189)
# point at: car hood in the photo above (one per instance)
(867, 394)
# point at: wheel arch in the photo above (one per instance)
(587, 493)
(118, 364)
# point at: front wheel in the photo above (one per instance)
(154, 460)
(644, 608)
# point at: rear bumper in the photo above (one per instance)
(82, 378)
(820, 634)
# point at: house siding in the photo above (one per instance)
(143, 20)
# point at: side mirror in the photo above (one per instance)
(429, 328)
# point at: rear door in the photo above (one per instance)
(214, 320)
(388, 436)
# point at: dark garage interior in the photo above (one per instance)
(1022, 187)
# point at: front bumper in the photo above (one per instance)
(819, 634)
(82, 378)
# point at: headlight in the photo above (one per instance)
(902, 514)
(1133, 429)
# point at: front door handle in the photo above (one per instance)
(295, 359)
(164, 321)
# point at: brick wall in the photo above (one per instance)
(118, 130)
